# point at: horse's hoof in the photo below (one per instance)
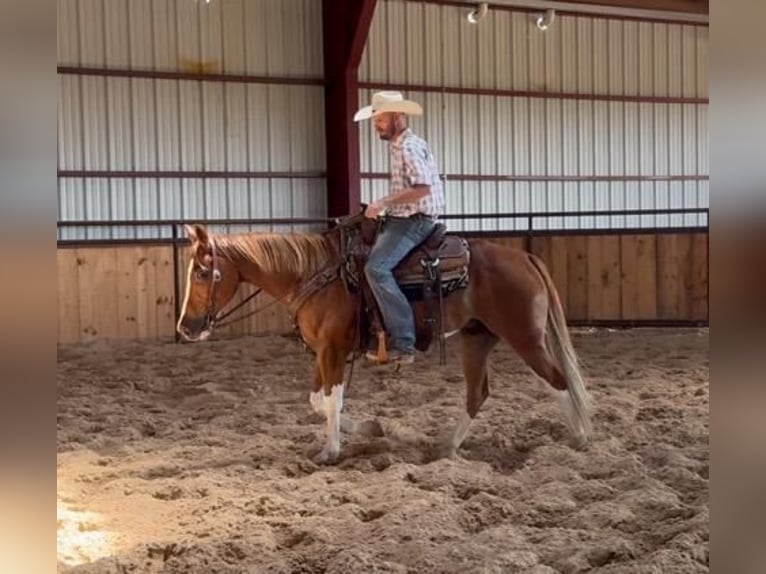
(371, 428)
(443, 450)
(579, 442)
(327, 457)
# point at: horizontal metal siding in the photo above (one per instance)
(168, 124)
(121, 199)
(147, 125)
(277, 37)
(499, 135)
(527, 137)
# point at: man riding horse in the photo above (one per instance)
(500, 293)
(412, 206)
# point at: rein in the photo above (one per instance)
(220, 316)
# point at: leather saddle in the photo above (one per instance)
(449, 253)
(433, 270)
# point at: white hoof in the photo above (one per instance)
(445, 449)
(579, 441)
(369, 428)
(327, 456)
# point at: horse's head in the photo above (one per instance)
(211, 282)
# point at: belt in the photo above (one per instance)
(413, 216)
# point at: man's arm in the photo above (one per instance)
(413, 194)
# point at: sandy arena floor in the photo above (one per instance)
(196, 458)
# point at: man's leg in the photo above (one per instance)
(397, 238)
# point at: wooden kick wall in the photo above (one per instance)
(115, 293)
(127, 292)
(618, 277)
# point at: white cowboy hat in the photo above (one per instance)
(383, 102)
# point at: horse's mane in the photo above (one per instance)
(299, 253)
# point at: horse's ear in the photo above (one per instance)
(196, 233)
(190, 232)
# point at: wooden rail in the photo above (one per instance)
(129, 292)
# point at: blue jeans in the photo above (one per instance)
(396, 239)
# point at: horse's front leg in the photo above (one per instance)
(316, 397)
(330, 365)
(369, 428)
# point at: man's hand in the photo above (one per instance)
(374, 209)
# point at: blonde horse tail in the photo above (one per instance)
(559, 345)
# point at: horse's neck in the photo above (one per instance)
(277, 285)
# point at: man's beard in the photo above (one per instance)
(388, 134)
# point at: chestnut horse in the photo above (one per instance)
(509, 296)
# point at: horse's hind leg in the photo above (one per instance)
(536, 355)
(476, 342)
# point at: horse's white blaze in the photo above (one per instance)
(317, 402)
(187, 293)
(461, 430)
(333, 406)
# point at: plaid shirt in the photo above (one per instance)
(412, 163)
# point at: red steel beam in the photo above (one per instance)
(555, 178)
(572, 12)
(345, 24)
(193, 76)
(175, 174)
(701, 7)
(534, 94)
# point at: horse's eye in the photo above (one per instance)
(202, 274)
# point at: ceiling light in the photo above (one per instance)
(475, 15)
(545, 19)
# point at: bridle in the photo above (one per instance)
(215, 279)
(213, 317)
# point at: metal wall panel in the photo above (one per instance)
(277, 37)
(141, 124)
(135, 124)
(121, 199)
(426, 44)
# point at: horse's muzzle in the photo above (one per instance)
(195, 329)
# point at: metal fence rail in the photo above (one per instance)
(173, 227)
